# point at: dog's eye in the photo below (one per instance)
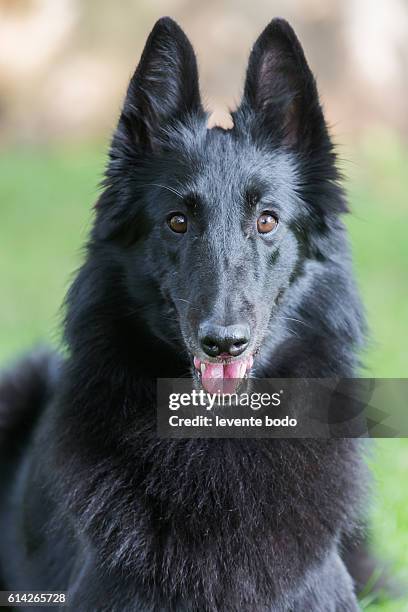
(266, 223)
(178, 223)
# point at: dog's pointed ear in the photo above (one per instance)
(280, 87)
(163, 88)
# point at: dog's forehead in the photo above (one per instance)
(225, 167)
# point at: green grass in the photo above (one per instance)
(378, 188)
(46, 198)
(378, 226)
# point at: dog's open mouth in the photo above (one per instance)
(222, 376)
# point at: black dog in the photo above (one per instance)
(218, 253)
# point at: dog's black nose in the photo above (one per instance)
(217, 340)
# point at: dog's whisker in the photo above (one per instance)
(293, 319)
(167, 187)
(187, 302)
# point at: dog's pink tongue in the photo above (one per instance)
(232, 370)
(212, 377)
(221, 378)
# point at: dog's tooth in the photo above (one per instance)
(242, 370)
(197, 363)
(202, 367)
(250, 362)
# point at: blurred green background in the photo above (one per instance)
(54, 131)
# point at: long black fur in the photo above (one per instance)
(95, 503)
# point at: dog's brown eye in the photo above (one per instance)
(178, 223)
(266, 223)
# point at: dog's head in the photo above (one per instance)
(213, 227)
